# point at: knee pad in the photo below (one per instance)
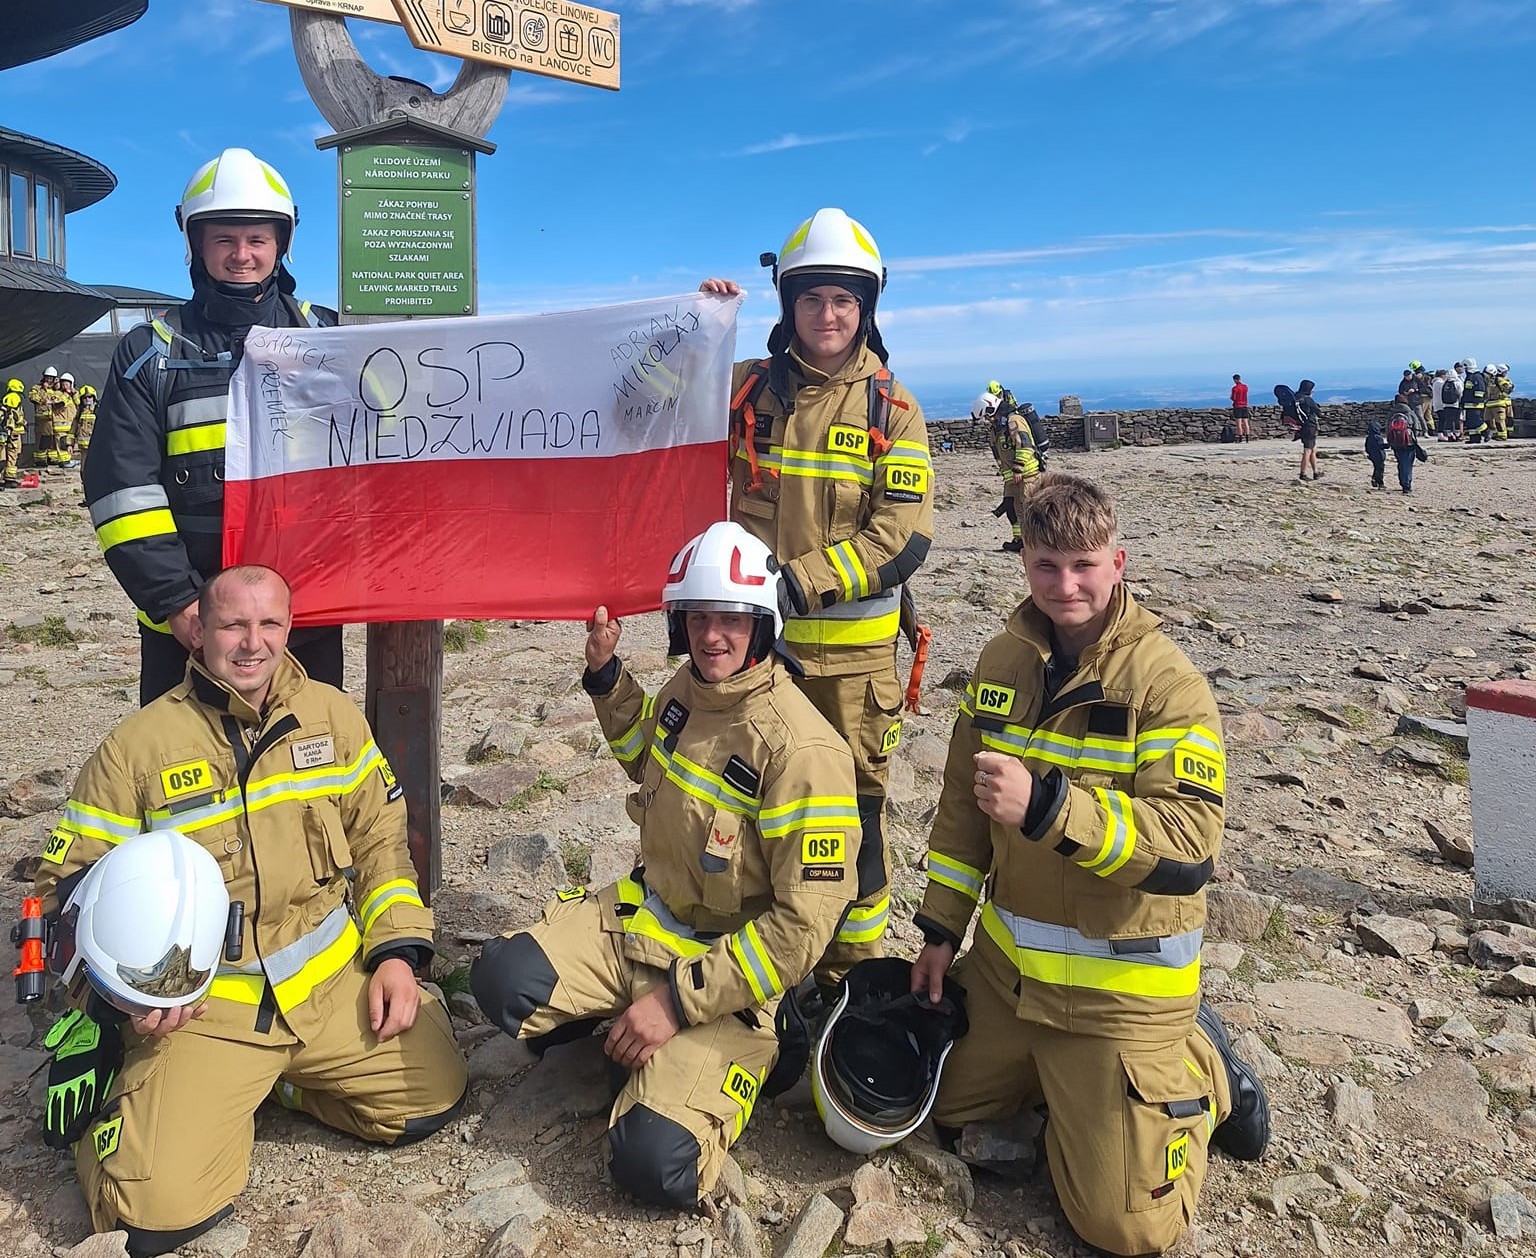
(654, 1159)
(144, 1242)
(510, 979)
(420, 1128)
(871, 863)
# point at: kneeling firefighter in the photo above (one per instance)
(749, 839)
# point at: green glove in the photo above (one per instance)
(86, 1058)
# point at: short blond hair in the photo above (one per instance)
(1068, 513)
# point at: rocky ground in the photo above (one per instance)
(1344, 950)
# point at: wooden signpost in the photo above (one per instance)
(406, 174)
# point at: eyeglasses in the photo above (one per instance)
(814, 304)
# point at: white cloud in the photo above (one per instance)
(793, 140)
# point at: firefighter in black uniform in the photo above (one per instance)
(155, 480)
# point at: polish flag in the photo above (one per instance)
(516, 467)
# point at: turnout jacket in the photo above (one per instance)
(1016, 448)
(749, 832)
(847, 512)
(1092, 912)
(301, 811)
(155, 479)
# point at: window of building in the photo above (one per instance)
(20, 215)
(125, 317)
(43, 222)
(58, 229)
(5, 218)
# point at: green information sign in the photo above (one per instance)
(407, 230)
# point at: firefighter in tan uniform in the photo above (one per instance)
(1019, 462)
(1501, 401)
(13, 428)
(42, 396)
(831, 470)
(1083, 798)
(749, 834)
(66, 409)
(316, 1000)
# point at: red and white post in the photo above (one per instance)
(1501, 737)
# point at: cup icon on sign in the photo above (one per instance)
(459, 17)
(496, 22)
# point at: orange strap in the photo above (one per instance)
(919, 661)
(743, 432)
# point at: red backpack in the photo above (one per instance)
(1399, 435)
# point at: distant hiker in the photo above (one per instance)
(1240, 410)
(1446, 399)
(1376, 448)
(1308, 414)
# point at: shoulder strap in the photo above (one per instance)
(879, 408)
(744, 418)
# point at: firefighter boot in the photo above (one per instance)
(1244, 1134)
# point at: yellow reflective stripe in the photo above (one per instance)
(821, 632)
(824, 465)
(98, 823)
(1119, 833)
(754, 962)
(296, 990)
(693, 779)
(866, 924)
(629, 744)
(136, 527)
(401, 891)
(644, 922)
(850, 570)
(956, 875)
(629, 891)
(243, 989)
(908, 454)
(194, 440)
(825, 812)
(1103, 974)
(1154, 744)
(159, 626)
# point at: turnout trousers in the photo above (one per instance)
(865, 708)
(675, 1117)
(171, 1149)
(1128, 1123)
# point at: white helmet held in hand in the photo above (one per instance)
(723, 569)
(238, 185)
(146, 924)
(985, 406)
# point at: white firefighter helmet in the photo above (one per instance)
(146, 924)
(876, 1068)
(238, 185)
(1469, 363)
(984, 406)
(67, 378)
(723, 569)
(50, 373)
(829, 241)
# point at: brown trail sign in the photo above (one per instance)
(386, 126)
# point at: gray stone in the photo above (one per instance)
(873, 1183)
(500, 1057)
(1217, 955)
(1458, 1030)
(1454, 732)
(491, 785)
(1372, 671)
(1521, 911)
(1235, 913)
(489, 1210)
(19, 1065)
(733, 1181)
(533, 860)
(40, 792)
(1492, 950)
(377, 1230)
(1299, 1005)
(1344, 1180)
(516, 1238)
(503, 1174)
(877, 1224)
(1429, 1012)
(1325, 594)
(1288, 1189)
(1446, 1100)
(570, 1082)
(1388, 936)
(1006, 1145)
(101, 1245)
(1308, 885)
(1456, 849)
(740, 1234)
(225, 1241)
(1511, 1074)
(1353, 1108)
(952, 1173)
(1257, 1054)
(503, 741)
(1320, 1236)
(813, 1229)
(1252, 729)
(1504, 1210)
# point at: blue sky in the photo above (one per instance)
(1073, 191)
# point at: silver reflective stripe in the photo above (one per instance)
(881, 604)
(197, 410)
(311, 782)
(1173, 951)
(286, 962)
(657, 909)
(126, 502)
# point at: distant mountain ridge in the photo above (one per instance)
(943, 402)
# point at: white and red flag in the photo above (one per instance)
(516, 467)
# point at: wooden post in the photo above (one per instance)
(405, 660)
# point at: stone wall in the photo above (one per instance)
(1174, 426)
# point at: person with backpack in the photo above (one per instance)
(1446, 399)
(1308, 415)
(830, 469)
(1401, 440)
(155, 479)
